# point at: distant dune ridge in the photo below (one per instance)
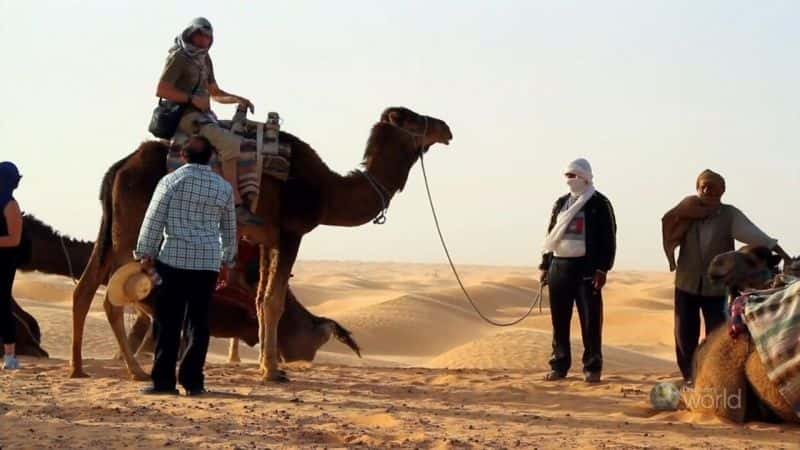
(434, 375)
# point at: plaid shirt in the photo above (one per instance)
(190, 208)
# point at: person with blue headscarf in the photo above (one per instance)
(10, 237)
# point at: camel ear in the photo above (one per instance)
(394, 118)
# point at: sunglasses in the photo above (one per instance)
(570, 175)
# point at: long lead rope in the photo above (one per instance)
(536, 300)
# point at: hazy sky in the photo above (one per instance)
(651, 92)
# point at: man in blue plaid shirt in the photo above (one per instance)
(188, 232)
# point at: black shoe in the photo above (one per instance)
(196, 392)
(554, 375)
(591, 377)
(153, 391)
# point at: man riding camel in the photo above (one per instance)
(188, 78)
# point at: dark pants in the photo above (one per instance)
(183, 294)
(8, 325)
(687, 324)
(570, 286)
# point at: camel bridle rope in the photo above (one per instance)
(383, 195)
(489, 320)
(69, 260)
(536, 300)
(381, 219)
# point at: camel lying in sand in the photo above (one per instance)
(730, 379)
(29, 336)
(301, 333)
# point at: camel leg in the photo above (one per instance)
(276, 303)
(136, 335)
(115, 315)
(148, 344)
(269, 258)
(82, 298)
(233, 352)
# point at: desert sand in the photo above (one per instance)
(433, 374)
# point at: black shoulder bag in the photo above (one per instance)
(167, 116)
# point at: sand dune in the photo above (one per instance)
(433, 374)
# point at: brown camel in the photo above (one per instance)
(313, 195)
(730, 379)
(43, 251)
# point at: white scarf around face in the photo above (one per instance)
(564, 218)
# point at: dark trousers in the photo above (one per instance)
(687, 324)
(183, 294)
(8, 325)
(570, 286)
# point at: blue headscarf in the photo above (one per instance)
(9, 180)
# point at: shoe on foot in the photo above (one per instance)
(591, 377)
(10, 363)
(153, 391)
(554, 375)
(245, 217)
(196, 392)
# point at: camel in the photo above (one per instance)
(729, 367)
(313, 195)
(42, 252)
(301, 333)
(29, 335)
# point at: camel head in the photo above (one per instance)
(750, 267)
(429, 129)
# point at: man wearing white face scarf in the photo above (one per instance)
(577, 253)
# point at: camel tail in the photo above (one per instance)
(106, 199)
(345, 336)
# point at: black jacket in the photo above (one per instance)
(601, 233)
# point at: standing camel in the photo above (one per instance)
(312, 195)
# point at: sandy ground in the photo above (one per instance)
(433, 375)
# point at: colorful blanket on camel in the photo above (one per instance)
(773, 321)
(271, 162)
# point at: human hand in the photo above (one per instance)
(599, 280)
(147, 264)
(543, 278)
(243, 102)
(227, 275)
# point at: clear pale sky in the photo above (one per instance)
(651, 92)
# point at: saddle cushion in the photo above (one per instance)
(273, 163)
(773, 320)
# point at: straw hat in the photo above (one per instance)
(129, 285)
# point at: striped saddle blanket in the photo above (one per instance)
(773, 320)
(250, 171)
